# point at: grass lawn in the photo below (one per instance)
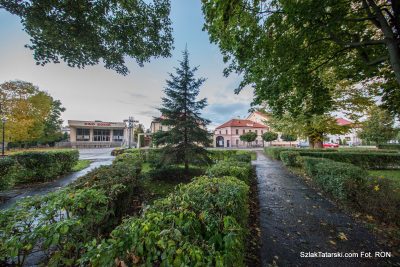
(393, 175)
(82, 164)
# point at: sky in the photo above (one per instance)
(95, 93)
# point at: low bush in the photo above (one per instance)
(380, 198)
(43, 166)
(368, 160)
(342, 180)
(7, 172)
(174, 173)
(290, 158)
(62, 222)
(217, 155)
(389, 146)
(240, 170)
(201, 224)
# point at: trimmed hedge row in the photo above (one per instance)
(368, 160)
(41, 166)
(64, 221)
(238, 155)
(342, 180)
(274, 152)
(349, 183)
(240, 170)
(201, 224)
(389, 146)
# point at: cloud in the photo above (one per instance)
(219, 113)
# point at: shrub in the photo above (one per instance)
(201, 224)
(290, 158)
(44, 165)
(389, 146)
(274, 152)
(174, 173)
(7, 171)
(368, 160)
(342, 180)
(240, 170)
(217, 155)
(60, 222)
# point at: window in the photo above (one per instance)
(250, 130)
(237, 132)
(256, 131)
(226, 131)
(244, 131)
(237, 141)
(256, 142)
(118, 135)
(101, 135)
(82, 134)
(262, 131)
(219, 132)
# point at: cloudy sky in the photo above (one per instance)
(95, 93)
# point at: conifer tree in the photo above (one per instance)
(187, 137)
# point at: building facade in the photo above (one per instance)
(91, 134)
(228, 134)
(350, 138)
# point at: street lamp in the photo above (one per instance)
(3, 120)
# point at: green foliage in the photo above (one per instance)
(379, 127)
(64, 221)
(174, 173)
(84, 33)
(82, 164)
(200, 224)
(289, 158)
(187, 137)
(342, 180)
(248, 137)
(269, 136)
(7, 171)
(366, 160)
(389, 146)
(43, 165)
(288, 137)
(240, 170)
(275, 152)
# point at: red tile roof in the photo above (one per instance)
(341, 121)
(241, 123)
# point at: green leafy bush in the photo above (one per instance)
(217, 155)
(174, 173)
(61, 222)
(389, 146)
(275, 152)
(44, 165)
(240, 170)
(342, 180)
(7, 171)
(201, 224)
(290, 158)
(367, 160)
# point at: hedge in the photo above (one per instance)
(64, 221)
(201, 224)
(28, 167)
(290, 158)
(389, 146)
(342, 180)
(369, 160)
(240, 170)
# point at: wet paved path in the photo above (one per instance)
(98, 157)
(295, 218)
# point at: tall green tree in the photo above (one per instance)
(379, 126)
(53, 123)
(86, 32)
(187, 137)
(356, 41)
(269, 137)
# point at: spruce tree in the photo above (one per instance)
(187, 137)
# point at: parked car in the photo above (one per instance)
(302, 144)
(330, 145)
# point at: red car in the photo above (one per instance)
(330, 145)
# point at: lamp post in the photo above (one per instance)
(3, 120)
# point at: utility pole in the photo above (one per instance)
(130, 122)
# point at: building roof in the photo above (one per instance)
(342, 122)
(241, 123)
(260, 113)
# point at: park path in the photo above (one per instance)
(295, 218)
(98, 157)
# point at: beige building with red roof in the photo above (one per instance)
(228, 134)
(350, 138)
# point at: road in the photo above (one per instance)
(99, 156)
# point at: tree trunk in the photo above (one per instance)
(390, 39)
